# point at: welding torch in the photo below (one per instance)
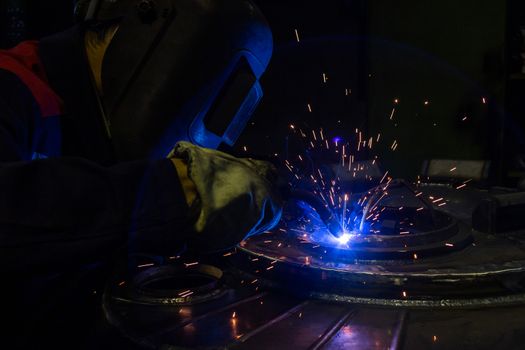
(327, 216)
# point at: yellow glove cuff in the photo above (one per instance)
(188, 186)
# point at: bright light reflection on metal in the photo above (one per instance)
(345, 238)
(312, 229)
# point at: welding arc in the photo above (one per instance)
(326, 215)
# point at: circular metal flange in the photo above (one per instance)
(489, 268)
(444, 239)
(459, 303)
(171, 285)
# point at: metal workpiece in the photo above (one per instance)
(443, 263)
(270, 320)
(450, 287)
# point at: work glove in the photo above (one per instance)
(236, 198)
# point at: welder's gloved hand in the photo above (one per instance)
(236, 197)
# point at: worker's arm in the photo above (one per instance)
(69, 210)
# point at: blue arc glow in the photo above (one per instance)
(345, 238)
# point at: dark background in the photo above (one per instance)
(449, 53)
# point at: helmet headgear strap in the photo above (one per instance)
(92, 10)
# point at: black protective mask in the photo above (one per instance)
(180, 70)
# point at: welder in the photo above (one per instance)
(108, 131)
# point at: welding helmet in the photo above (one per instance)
(179, 70)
